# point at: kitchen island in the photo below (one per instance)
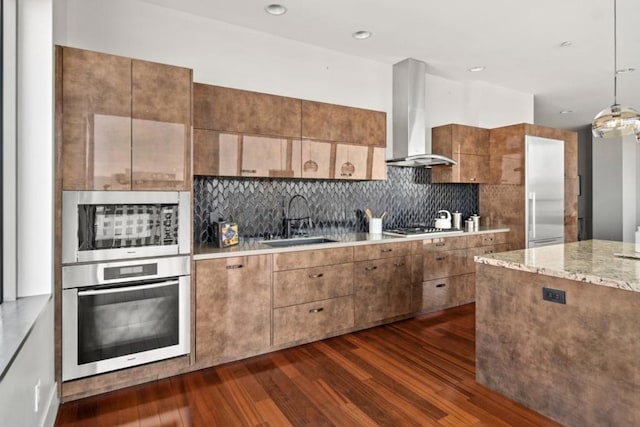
(558, 330)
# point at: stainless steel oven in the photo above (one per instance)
(122, 314)
(109, 225)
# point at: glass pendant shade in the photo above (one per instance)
(617, 121)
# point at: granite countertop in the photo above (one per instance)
(590, 261)
(255, 246)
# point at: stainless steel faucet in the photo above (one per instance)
(298, 217)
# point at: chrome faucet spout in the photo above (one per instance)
(298, 217)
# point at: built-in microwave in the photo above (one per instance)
(110, 225)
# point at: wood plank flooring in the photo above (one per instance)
(417, 372)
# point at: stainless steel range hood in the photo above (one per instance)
(410, 147)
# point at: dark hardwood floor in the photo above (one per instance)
(417, 372)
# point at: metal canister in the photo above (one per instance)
(468, 225)
(456, 219)
(476, 222)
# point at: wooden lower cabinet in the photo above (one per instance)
(444, 263)
(233, 308)
(382, 289)
(312, 284)
(304, 322)
(438, 294)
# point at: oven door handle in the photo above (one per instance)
(127, 289)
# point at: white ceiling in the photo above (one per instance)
(518, 42)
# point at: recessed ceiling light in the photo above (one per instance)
(477, 68)
(275, 9)
(566, 43)
(361, 35)
(625, 70)
(566, 111)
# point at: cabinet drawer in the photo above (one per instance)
(316, 258)
(445, 263)
(444, 293)
(312, 284)
(478, 240)
(312, 320)
(383, 250)
(444, 244)
(500, 238)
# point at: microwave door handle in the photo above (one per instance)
(127, 289)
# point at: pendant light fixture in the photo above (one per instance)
(616, 120)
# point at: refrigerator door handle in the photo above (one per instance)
(532, 198)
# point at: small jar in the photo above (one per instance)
(468, 225)
(476, 222)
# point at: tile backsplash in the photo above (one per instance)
(258, 204)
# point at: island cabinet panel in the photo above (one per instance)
(233, 308)
(161, 126)
(382, 289)
(337, 123)
(313, 258)
(590, 356)
(96, 120)
(314, 320)
(312, 284)
(468, 146)
(234, 110)
(125, 123)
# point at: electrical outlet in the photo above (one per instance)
(554, 295)
(36, 397)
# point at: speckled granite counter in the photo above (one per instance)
(590, 261)
(256, 246)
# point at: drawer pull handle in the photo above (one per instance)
(316, 310)
(316, 276)
(440, 244)
(373, 267)
(488, 251)
(249, 171)
(235, 266)
(399, 264)
(441, 285)
(386, 250)
(441, 258)
(488, 239)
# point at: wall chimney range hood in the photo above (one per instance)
(410, 146)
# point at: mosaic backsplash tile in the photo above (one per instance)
(259, 205)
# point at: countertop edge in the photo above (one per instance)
(234, 252)
(583, 277)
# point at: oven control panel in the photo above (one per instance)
(123, 272)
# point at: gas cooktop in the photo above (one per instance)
(419, 230)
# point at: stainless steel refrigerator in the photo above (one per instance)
(544, 191)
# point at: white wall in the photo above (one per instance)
(616, 177)
(35, 147)
(33, 363)
(474, 104)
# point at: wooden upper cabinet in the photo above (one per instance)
(125, 124)
(96, 120)
(351, 162)
(337, 123)
(316, 159)
(234, 110)
(161, 126)
(468, 146)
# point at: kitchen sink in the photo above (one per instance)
(285, 243)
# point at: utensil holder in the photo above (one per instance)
(375, 225)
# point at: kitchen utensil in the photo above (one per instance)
(367, 211)
(456, 220)
(443, 220)
(383, 214)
